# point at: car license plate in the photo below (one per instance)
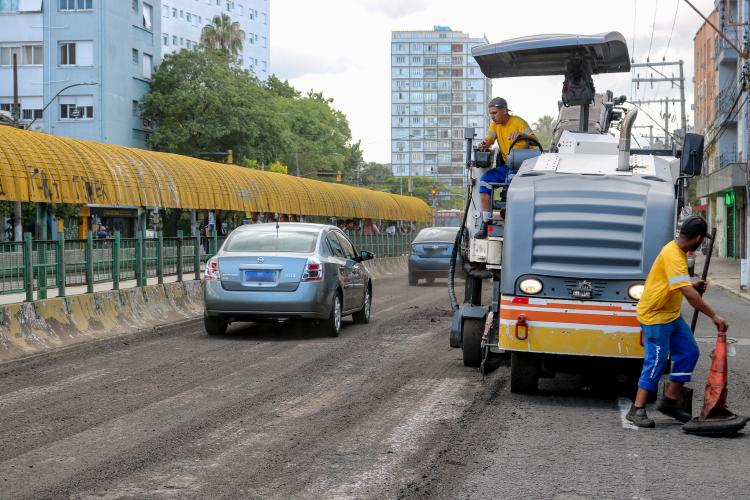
(260, 276)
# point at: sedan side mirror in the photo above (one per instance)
(365, 255)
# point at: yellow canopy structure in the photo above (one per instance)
(36, 167)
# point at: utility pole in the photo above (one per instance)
(296, 159)
(17, 215)
(673, 80)
(666, 117)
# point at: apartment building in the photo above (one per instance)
(183, 20)
(437, 89)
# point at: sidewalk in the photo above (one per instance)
(722, 273)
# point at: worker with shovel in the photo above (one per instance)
(664, 330)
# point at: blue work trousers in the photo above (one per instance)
(661, 340)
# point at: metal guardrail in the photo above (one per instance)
(37, 266)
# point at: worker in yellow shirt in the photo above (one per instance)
(504, 128)
(664, 330)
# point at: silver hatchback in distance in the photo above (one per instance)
(287, 270)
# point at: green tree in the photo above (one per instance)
(223, 34)
(200, 101)
(543, 129)
(374, 174)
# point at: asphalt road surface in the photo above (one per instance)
(385, 411)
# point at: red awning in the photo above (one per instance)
(700, 208)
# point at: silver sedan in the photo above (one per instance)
(287, 270)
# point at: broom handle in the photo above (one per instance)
(704, 276)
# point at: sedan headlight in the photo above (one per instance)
(531, 286)
(635, 291)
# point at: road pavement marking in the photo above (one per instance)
(624, 404)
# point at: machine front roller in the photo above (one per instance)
(524, 372)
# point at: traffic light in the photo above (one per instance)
(434, 191)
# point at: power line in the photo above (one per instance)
(635, 24)
(674, 137)
(674, 20)
(653, 29)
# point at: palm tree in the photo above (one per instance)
(543, 129)
(223, 34)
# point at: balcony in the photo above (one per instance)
(730, 175)
(724, 104)
(723, 52)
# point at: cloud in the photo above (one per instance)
(292, 63)
(395, 9)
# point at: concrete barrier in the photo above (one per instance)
(29, 328)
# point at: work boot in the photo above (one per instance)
(482, 233)
(671, 408)
(639, 417)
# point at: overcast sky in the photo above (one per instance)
(342, 47)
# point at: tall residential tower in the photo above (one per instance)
(183, 20)
(437, 89)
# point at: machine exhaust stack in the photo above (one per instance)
(623, 160)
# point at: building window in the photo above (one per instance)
(76, 107)
(174, 39)
(241, 10)
(147, 66)
(6, 55)
(134, 5)
(77, 54)
(457, 47)
(188, 17)
(135, 56)
(165, 10)
(72, 5)
(265, 42)
(31, 114)
(174, 12)
(148, 13)
(9, 6)
(134, 107)
(165, 39)
(263, 18)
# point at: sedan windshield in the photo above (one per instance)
(271, 241)
(437, 234)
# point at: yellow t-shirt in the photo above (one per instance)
(662, 299)
(502, 133)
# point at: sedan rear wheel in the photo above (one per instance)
(413, 279)
(363, 315)
(215, 325)
(332, 325)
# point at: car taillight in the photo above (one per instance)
(212, 270)
(313, 271)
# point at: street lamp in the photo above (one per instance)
(55, 96)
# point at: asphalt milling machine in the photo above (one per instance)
(574, 233)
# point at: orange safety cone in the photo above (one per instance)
(716, 419)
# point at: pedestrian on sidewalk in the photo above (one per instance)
(664, 330)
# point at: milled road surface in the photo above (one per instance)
(387, 410)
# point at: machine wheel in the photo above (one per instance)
(471, 344)
(215, 325)
(332, 325)
(363, 315)
(524, 373)
(413, 279)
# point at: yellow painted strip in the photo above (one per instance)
(581, 341)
